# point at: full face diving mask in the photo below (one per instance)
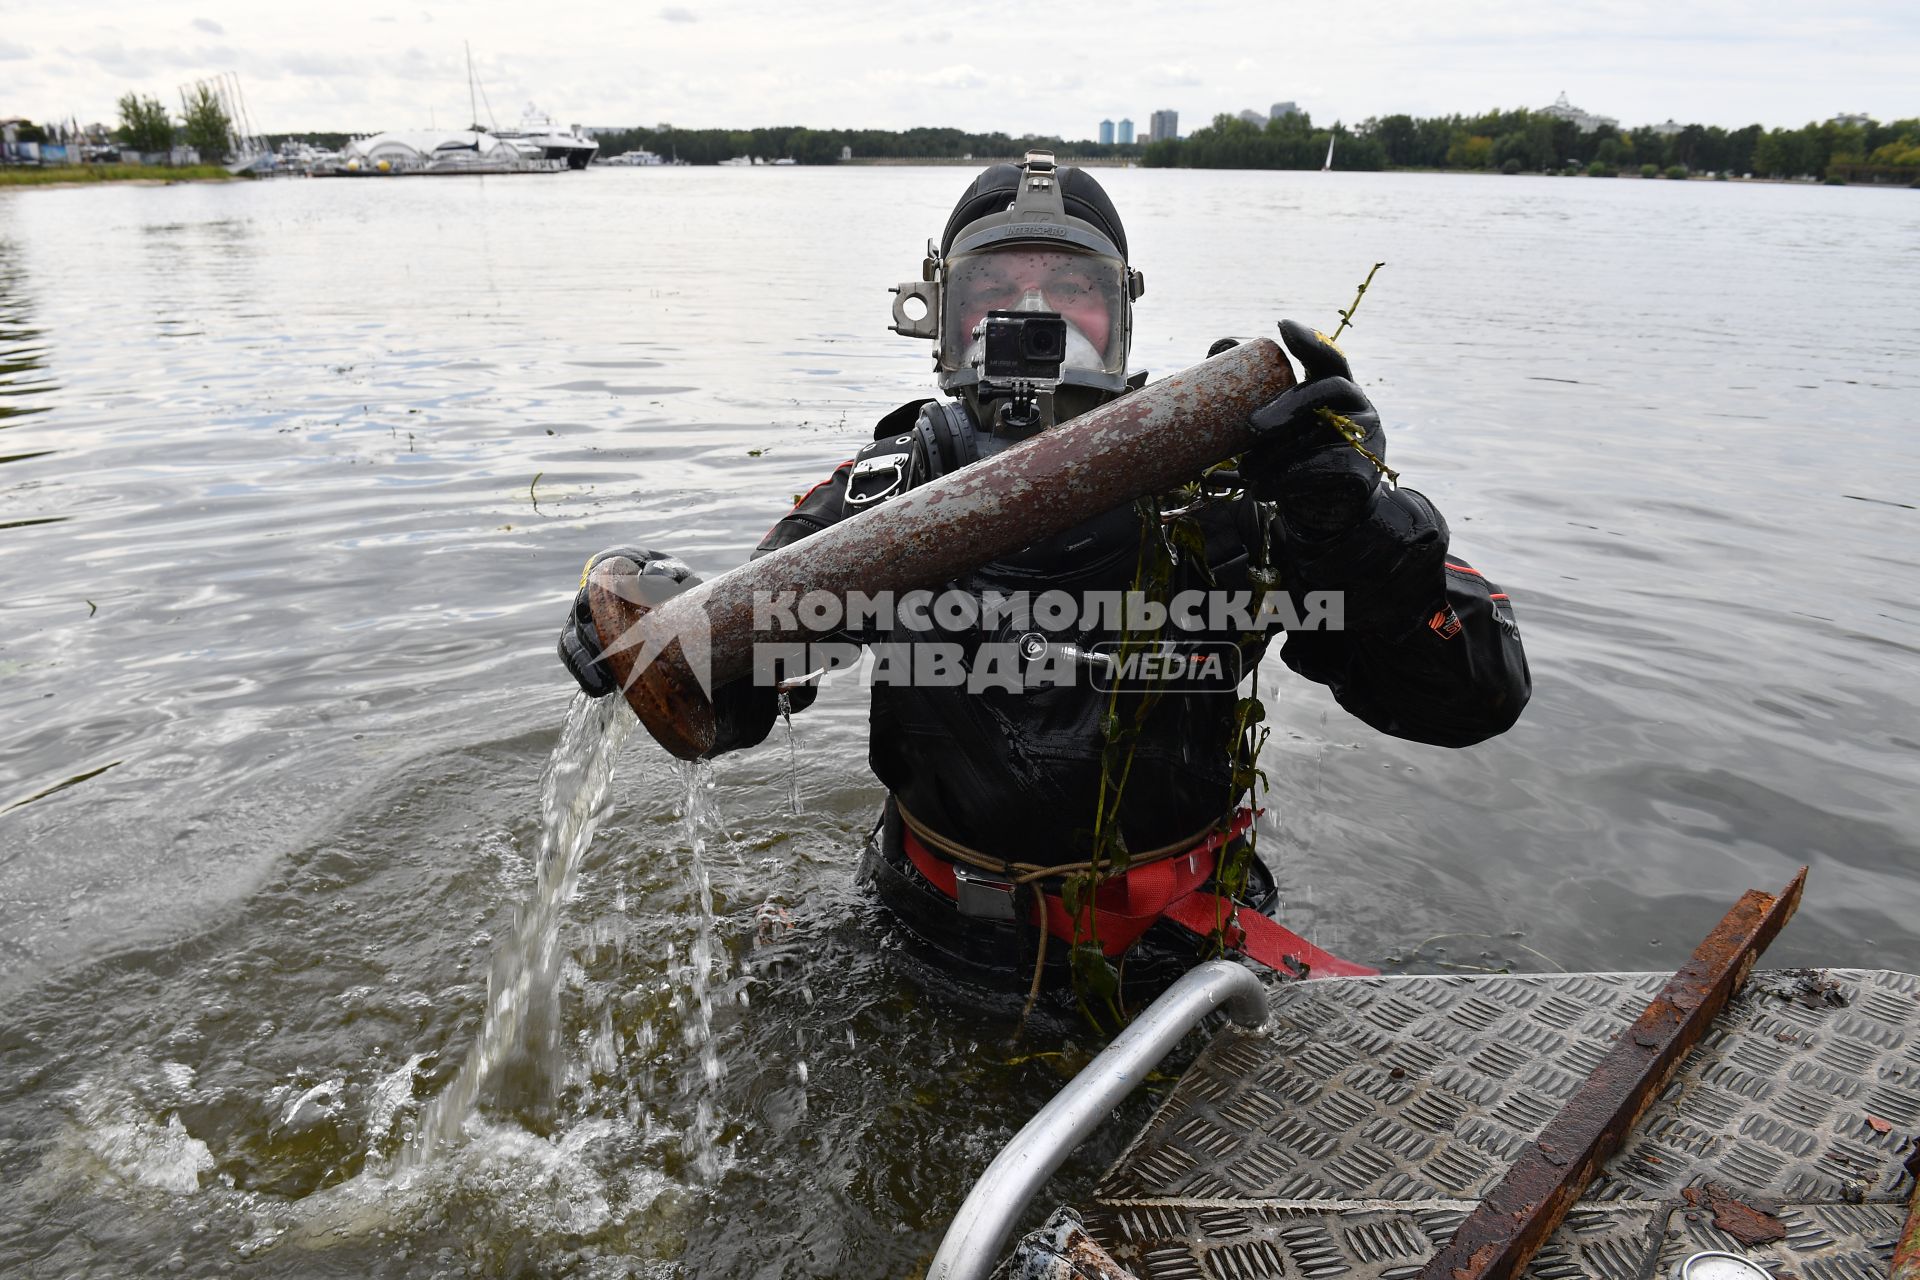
(1031, 257)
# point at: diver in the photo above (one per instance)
(993, 792)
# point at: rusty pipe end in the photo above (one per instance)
(665, 694)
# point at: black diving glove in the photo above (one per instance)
(1303, 462)
(580, 640)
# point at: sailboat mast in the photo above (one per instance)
(473, 109)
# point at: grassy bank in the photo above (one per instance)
(81, 175)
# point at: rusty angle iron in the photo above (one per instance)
(1510, 1224)
(1148, 442)
(1906, 1253)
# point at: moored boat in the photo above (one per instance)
(570, 145)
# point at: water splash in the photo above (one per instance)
(793, 755)
(522, 989)
(385, 1098)
(132, 1145)
(693, 984)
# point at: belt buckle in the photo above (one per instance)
(982, 896)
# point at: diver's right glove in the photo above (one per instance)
(580, 639)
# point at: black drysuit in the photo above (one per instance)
(1430, 652)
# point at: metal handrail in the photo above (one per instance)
(973, 1242)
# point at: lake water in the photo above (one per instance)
(295, 483)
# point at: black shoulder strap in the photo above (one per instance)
(899, 421)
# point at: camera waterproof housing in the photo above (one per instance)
(1019, 366)
(1023, 345)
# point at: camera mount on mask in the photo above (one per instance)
(1019, 359)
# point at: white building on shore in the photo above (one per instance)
(1585, 121)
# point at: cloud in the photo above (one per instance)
(209, 26)
(677, 13)
(959, 76)
(11, 52)
(305, 62)
(140, 62)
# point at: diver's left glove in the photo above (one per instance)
(1303, 462)
(580, 640)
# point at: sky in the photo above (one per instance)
(1017, 67)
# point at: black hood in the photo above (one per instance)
(995, 188)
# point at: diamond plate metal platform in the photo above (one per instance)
(1351, 1137)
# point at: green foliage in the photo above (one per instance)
(1678, 172)
(1544, 143)
(144, 124)
(1474, 151)
(1291, 142)
(1813, 149)
(1903, 152)
(1614, 151)
(1095, 980)
(1510, 166)
(28, 131)
(207, 128)
(1601, 169)
(822, 146)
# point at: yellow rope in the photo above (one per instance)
(1026, 872)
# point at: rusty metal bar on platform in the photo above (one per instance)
(1500, 1236)
(1150, 441)
(1906, 1253)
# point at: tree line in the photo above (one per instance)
(1535, 142)
(823, 146)
(1517, 141)
(146, 127)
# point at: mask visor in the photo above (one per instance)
(1088, 290)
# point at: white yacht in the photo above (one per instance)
(571, 144)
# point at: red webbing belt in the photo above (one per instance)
(1265, 940)
(1168, 889)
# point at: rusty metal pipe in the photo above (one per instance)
(1150, 441)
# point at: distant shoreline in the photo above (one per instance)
(69, 177)
(956, 162)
